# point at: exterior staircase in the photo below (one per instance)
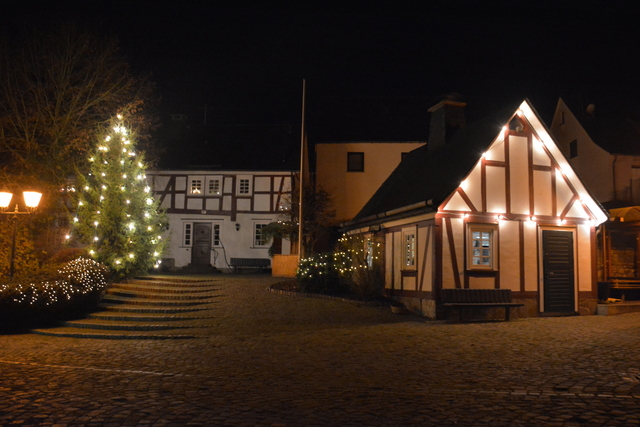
(146, 308)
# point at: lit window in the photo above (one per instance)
(214, 186)
(409, 249)
(187, 235)
(244, 186)
(355, 162)
(196, 186)
(259, 238)
(481, 244)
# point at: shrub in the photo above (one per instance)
(320, 273)
(361, 267)
(52, 293)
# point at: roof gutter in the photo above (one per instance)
(384, 215)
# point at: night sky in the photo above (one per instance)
(372, 68)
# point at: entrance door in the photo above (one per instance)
(559, 284)
(201, 251)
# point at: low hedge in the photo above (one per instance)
(56, 292)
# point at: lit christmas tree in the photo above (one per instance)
(117, 216)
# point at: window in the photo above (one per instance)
(259, 239)
(481, 246)
(196, 186)
(214, 186)
(216, 234)
(355, 162)
(244, 186)
(187, 235)
(409, 249)
(573, 149)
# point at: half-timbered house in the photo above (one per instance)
(217, 215)
(493, 204)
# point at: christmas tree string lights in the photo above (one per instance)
(117, 217)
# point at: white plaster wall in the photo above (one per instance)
(509, 250)
(261, 202)
(262, 183)
(496, 190)
(542, 200)
(585, 278)
(530, 256)
(519, 174)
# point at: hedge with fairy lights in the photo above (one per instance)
(54, 292)
(117, 217)
(355, 268)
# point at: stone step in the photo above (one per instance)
(172, 282)
(117, 299)
(66, 332)
(160, 289)
(158, 296)
(143, 317)
(122, 308)
(119, 325)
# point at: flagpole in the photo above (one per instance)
(304, 94)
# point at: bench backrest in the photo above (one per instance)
(250, 262)
(475, 295)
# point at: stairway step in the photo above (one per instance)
(118, 325)
(157, 302)
(111, 335)
(123, 308)
(160, 289)
(142, 317)
(158, 296)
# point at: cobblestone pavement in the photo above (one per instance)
(264, 359)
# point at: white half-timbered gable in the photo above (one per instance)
(495, 205)
(217, 215)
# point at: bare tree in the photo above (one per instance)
(55, 89)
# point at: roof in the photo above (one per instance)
(609, 127)
(433, 174)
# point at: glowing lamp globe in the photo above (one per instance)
(31, 198)
(5, 199)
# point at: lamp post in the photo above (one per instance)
(31, 202)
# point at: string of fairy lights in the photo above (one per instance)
(355, 253)
(78, 277)
(117, 215)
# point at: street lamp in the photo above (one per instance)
(31, 202)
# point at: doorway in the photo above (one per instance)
(201, 251)
(558, 272)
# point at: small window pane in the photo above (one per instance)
(355, 162)
(244, 186)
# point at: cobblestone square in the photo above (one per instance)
(263, 359)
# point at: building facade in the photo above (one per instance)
(217, 215)
(490, 205)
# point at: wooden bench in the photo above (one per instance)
(462, 299)
(625, 283)
(239, 263)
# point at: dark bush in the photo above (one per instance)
(56, 292)
(320, 274)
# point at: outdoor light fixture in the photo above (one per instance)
(237, 227)
(31, 201)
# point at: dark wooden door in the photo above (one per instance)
(201, 251)
(558, 265)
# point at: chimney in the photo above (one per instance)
(447, 116)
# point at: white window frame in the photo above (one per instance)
(481, 246)
(195, 186)
(241, 190)
(214, 182)
(409, 248)
(262, 243)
